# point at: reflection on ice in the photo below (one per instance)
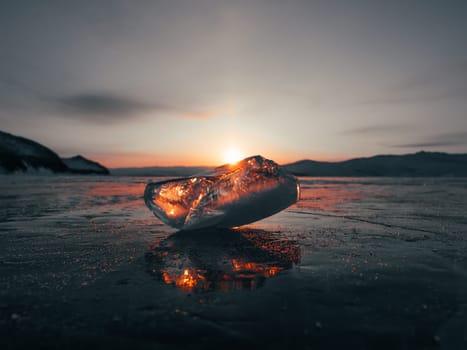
(331, 194)
(233, 195)
(221, 259)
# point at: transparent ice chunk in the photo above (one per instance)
(231, 195)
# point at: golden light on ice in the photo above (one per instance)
(232, 155)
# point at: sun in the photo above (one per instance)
(232, 155)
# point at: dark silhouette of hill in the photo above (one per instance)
(416, 164)
(19, 154)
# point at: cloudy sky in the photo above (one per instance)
(173, 82)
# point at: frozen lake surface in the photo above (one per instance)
(357, 262)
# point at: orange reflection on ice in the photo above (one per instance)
(329, 196)
(222, 259)
(117, 194)
(252, 268)
(117, 189)
(242, 276)
(187, 281)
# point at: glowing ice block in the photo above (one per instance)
(229, 196)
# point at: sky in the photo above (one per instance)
(139, 83)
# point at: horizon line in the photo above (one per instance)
(292, 162)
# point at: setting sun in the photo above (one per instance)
(232, 155)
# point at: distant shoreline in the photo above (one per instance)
(420, 164)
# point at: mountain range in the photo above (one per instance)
(429, 164)
(426, 164)
(21, 155)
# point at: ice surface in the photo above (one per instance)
(232, 195)
(382, 264)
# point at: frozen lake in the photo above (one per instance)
(357, 262)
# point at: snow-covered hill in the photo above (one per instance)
(21, 155)
(79, 164)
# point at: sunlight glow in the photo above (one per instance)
(232, 155)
